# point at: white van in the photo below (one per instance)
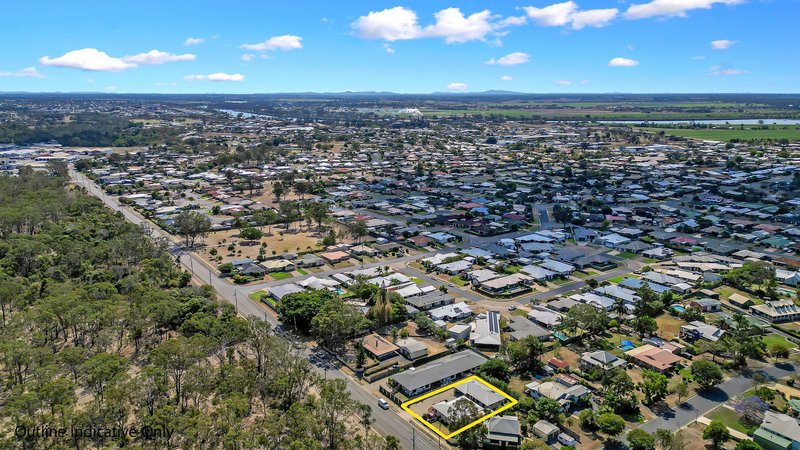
(383, 404)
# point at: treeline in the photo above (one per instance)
(100, 330)
(84, 130)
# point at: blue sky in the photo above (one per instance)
(408, 46)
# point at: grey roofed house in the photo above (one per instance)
(634, 246)
(483, 275)
(486, 330)
(557, 267)
(538, 273)
(522, 328)
(453, 311)
(562, 304)
(778, 431)
(619, 292)
(278, 292)
(439, 372)
(544, 316)
(502, 429)
(480, 394)
(661, 278)
(697, 330)
(430, 300)
(601, 359)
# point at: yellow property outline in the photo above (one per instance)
(407, 404)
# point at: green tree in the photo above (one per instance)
(681, 389)
(250, 234)
(610, 424)
(654, 386)
(524, 355)
(706, 373)
(747, 444)
(191, 225)
(641, 440)
(717, 433)
(335, 322)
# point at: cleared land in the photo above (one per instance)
(775, 132)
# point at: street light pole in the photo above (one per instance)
(236, 300)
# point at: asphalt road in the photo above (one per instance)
(700, 404)
(386, 422)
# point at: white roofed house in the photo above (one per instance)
(538, 273)
(482, 395)
(486, 330)
(545, 317)
(564, 389)
(455, 267)
(451, 312)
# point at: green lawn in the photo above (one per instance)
(417, 280)
(513, 268)
(256, 296)
(280, 275)
(302, 272)
(777, 339)
(519, 312)
(458, 281)
(628, 255)
(618, 279)
(728, 417)
(791, 132)
(686, 373)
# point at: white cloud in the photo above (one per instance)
(698, 57)
(28, 72)
(584, 81)
(568, 13)
(672, 8)
(155, 57)
(247, 57)
(564, 82)
(194, 41)
(454, 27)
(389, 49)
(593, 18)
(401, 23)
(218, 76)
(722, 44)
(285, 42)
(716, 71)
(95, 60)
(88, 59)
(506, 78)
(512, 59)
(555, 15)
(393, 24)
(457, 86)
(623, 62)
(512, 21)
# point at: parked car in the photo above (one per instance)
(383, 404)
(512, 308)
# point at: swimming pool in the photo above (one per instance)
(678, 308)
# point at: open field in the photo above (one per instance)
(791, 132)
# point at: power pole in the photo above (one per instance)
(413, 438)
(236, 299)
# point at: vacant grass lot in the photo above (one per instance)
(791, 132)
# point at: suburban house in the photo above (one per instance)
(503, 432)
(706, 305)
(779, 311)
(700, 330)
(379, 347)
(778, 432)
(600, 359)
(652, 357)
(480, 394)
(411, 348)
(543, 316)
(451, 312)
(335, 257)
(486, 330)
(564, 389)
(278, 292)
(445, 370)
(433, 299)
